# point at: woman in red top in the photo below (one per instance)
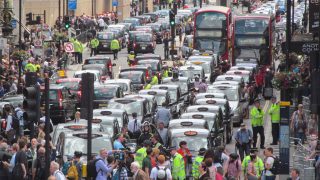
(184, 151)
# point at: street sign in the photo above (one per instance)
(115, 3)
(14, 23)
(72, 4)
(68, 47)
(38, 43)
(304, 47)
(314, 15)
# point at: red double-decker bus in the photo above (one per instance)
(253, 38)
(213, 31)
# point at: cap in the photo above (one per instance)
(172, 148)
(202, 151)
(242, 125)
(77, 153)
(253, 150)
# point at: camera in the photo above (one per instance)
(119, 156)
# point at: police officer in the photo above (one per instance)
(274, 112)
(165, 72)
(77, 51)
(115, 46)
(94, 43)
(257, 123)
(197, 162)
(258, 165)
(154, 80)
(148, 86)
(146, 135)
(178, 167)
(131, 58)
(142, 152)
(29, 67)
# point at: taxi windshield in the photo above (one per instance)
(152, 64)
(80, 144)
(53, 95)
(173, 95)
(104, 36)
(95, 61)
(183, 85)
(190, 73)
(197, 142)
(231, 94)
(104, 92)
(134, 76)
(129, 106)
(72, 85)
(143, 38)
(124, 86)
(160, 99)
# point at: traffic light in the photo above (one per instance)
(66, 21)
(31, 103)
(172, 18)
(29, 19)
(38, 20)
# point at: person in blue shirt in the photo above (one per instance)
(163, 114)
(243, 138)
(101, 167)
(117, 144)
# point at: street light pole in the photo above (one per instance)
(59, 17)
(20, 24)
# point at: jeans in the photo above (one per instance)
(243, 149)
(166, 53)
(115, 54)
(300, 135)
(258, 130)
(275, 133)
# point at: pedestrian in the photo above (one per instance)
(14, 150)
(20, 169)
(94, 43)
(243, 140)
(274, 112)
(77, 117)
(156, 143)
(209, 171)
(232, 169)
(142, 152)
(219, 159)
(146, 163)
(166, 46)
(154, 79)
(258, 164)
(252, 172)
(163, 114)
(299, 124)
(257, 123)
(101, 167)
(75, 169)
(134, 127)
(294, 175)
(178, 167)
(19, 115)
(5, 163)
(184, 152)
(77, 50)
(117, 144)
(161, 171)
(39, 165)
(203, 86)
(268, 164)
(197, 162)
(54, 170)
(138, 174)
(146, 135)
(163, 132)
(115, 48)
(10, 125)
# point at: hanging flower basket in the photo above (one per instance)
(60, 37)
(285, 80)
(20, 55)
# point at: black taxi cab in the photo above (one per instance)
(137, 78)
(74, 127)
(151, 101)
(103, 93)
(247, 76)
(110, 124)
(69, 142)
(161, 95)
(188, 123)
(138, 105)
(210, 95)
(209, 117)
(120, 114)
(229, 78)
(191, 71)
(176, 98)
(184, 82)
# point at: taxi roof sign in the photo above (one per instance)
(209, 96)
(229, 78)
(105, 113)
(237, 72)
(152, 92)
(163, 87)
(197, 62)
(85, 135)
(202, 109)
(211, 101)
(190, 68)
(76, 127)
(198, 116)
(186, 123)
(190, 133)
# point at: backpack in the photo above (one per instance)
(218, 157)
(40, 169)
(91, 169)
(15, 122)
(73, 172)
(276, 165)
(162, 173)
(65, 167)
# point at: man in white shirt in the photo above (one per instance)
(161, 171)
(101, 24)
(268, 164)
(134, 126)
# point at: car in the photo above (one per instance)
(243, 67)
(239, 106)
(163, 13)
(120, 114)
(187, 46)
(74, 86)
(110, 125)
(143, 43)
(128, 26)
(14, 100)
(125, 84)
(105, 39)
(70, 142)
(135, 22)
(191, 71)
(210, 118)
(155, 64)
(138, 105)
(158, 32)
(146, 70)
(184, 82)
(247, 76)
(145, 29)
(151, 101)
(207, 63)
(147, 56)
(154, 16)
(96, 73)
(137, 78)
(101, 59)
(131, 38)
(188, 123)
(103, 93)
(62, 103)
(73, 127)
(175, 98)
(228, 78)
(104, 71)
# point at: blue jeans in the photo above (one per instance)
(300, 135)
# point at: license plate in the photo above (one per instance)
(103, 105)
(105, 45)
(143, 48)
(206, 54)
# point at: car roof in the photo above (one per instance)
(229, 78)
(104, 135)
(92, 66)
(153, 92)
(196, 107)
(181, 132)
(87, 71)
(181, 121)
(226, 83)
(238, 72)
(197, 115)
(223, 86)
(72, 125)
(162, 86)
(99, 57)
(242, 67)
(109, 112)
(210, 95)
(170, 79)
(146, 96)
(107, 86)
(213, 101)
(136, 98)
(100, 119)
(117, 81)
(68, 80)
(190, 67)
